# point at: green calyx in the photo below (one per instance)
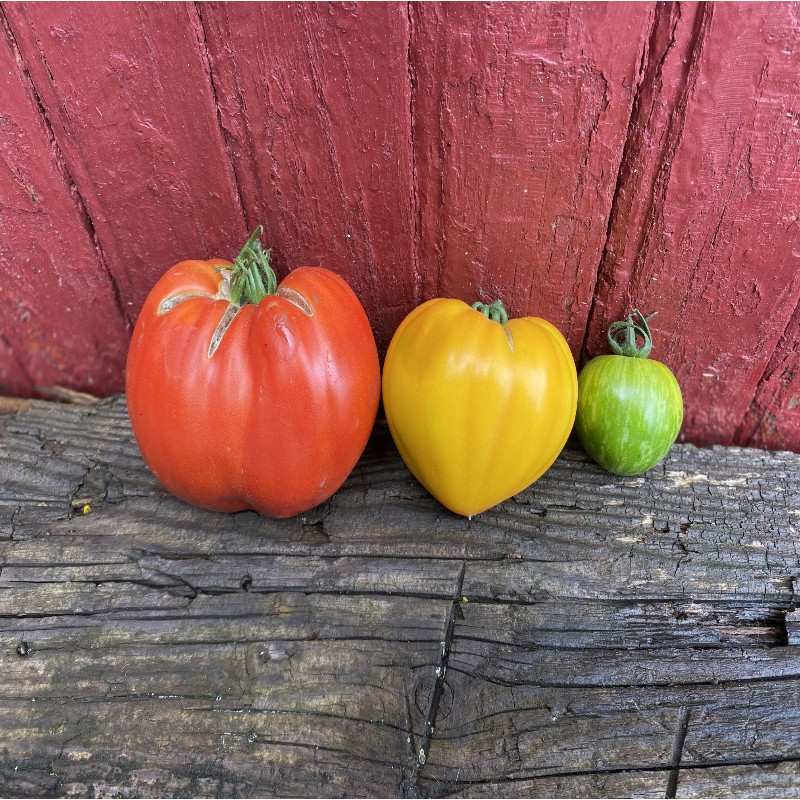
(493, 311)
(252, 278)
(623, 335)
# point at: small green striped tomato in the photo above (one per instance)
(630, 408)
(479, 406)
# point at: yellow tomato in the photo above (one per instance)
(479, 406)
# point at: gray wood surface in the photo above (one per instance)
(594, 636)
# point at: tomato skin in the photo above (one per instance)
(276, 418)
(475, 420)
(630, 412)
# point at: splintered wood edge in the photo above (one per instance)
(65, 395)
(14, 405)
(61, 394)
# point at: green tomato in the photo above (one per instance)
(630, 409)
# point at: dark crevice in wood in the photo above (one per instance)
(644, 144)
(227, 138)
(677, 752)
(744, 762)
(412, 144)
(409, 787)
(634, 131)
(694, 684)
(781, 627)
(183, 588)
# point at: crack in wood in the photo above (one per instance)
(199, 26)
(677, 751)
(649, 150)
(409, 787)
(414, 188)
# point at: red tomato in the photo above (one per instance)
(262, 403)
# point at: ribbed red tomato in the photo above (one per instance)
(244, 394)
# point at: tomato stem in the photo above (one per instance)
(623, 335)
(252, 278)
(493, 311)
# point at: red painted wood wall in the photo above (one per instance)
(575, 159)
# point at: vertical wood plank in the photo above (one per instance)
(772, 420)
(60, 322)
(703, 230)
(127, 91)
(315, 101)
(520, 117)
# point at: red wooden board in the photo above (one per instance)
(703, 229)
(315, 101)
(520, 118)
(773, 417)
(60, 321)
(126, 89)
(575, 159)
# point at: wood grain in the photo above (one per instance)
(592, 636)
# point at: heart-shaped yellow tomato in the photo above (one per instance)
(479, 406)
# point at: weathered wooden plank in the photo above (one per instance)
(315, 103)
(766, 780)
(589, 784)
(617, 624)
(525, 659)
(127, 93)
(50, 269)
(520, 117)
(271, 696)
(516, 729)
(173, 746)
(701, 525)
(244, 616)
(704, 229)
(591, 635)
(763, 780)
